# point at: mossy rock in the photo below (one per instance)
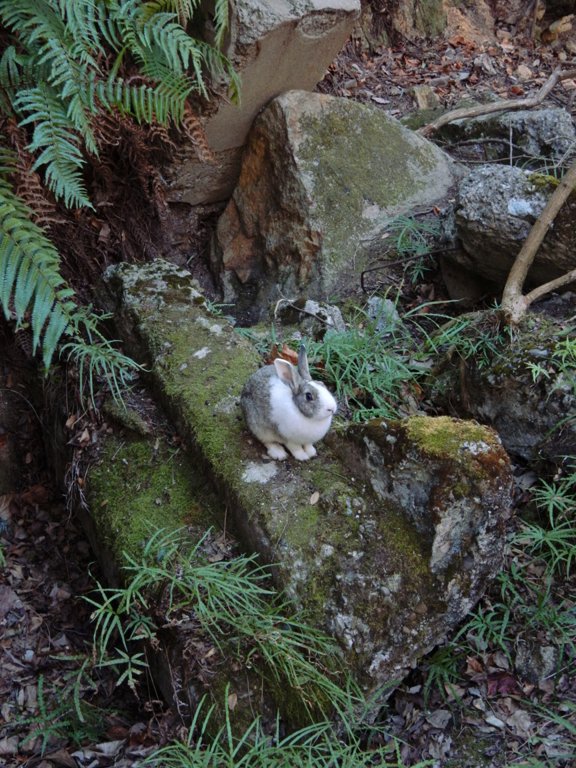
(385, 540)
(321, 179)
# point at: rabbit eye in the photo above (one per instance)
(309, 396)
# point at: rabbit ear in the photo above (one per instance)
(287, 373)
(303, 369)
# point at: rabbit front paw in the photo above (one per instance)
(298, 451)
(276, 451)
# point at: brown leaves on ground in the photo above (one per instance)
(461, 67)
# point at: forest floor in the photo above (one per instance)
(470, 708)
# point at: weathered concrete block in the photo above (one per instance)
(274, 46)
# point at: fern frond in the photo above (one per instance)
(84, 20)
(144, 102)
(26, 183)
(221, 13)
(10, 63)
(30, 276)
(61, 153)
(101, 360)
(32, 21)
(194, 129)
(183, 9)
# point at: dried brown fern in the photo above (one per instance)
(107, 129)
(194, 130)
(140, 153)
(27, 183)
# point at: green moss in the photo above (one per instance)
(430, 17)
(126, 417)
(444, 437)
(201, 371)
(138, 487)
(344, 160)
(543, 181)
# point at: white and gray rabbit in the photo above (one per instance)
(284, 408)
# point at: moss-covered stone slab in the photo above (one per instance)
(385, 540)
(321, 177)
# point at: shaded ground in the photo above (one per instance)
(464, 706)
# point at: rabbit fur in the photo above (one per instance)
(285, 409)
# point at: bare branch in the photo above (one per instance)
(545, 288)
(499, 106)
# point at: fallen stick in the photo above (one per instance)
(500, 106)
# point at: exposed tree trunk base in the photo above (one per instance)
(514, 302)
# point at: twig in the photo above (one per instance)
(533, 12)
(500, 106)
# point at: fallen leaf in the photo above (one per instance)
(110, 748)
(439, 718)
(473, 666)
(60, 758)
(520, 722)
(83, 438)
(232, 701)
(524, 72)
(9, 745)
(495, 721)
(502, 683)
(71, 420)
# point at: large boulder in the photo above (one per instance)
(385, 540)
(496, 208)
(321, 177)
(274, 46)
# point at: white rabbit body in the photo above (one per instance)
(284, 408)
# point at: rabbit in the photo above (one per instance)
(284, 408)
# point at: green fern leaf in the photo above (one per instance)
(9, 262)
(43, 306)
(29, 272)
(57, 326)
(220, 12)
(84, 20)
(26, 283)
(183, 9)
(60, 145)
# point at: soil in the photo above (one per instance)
(487, 718)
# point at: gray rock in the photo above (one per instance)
(538, 135)
(496, 208)
(534, 662)
(321, 177)
(383, 313)
(313, 317)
